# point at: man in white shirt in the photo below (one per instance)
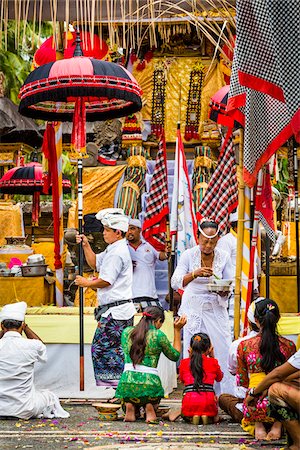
(144, 257)
(18, 397)
(114, 292)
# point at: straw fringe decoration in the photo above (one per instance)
(132, 18)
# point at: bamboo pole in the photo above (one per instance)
(238, 139)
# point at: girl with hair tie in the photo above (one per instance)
(256, 357)
(198, 374)
(206, 311)
(140, 384)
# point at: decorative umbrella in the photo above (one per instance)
(28, 180)
(79, 89)
(47, 51)
(218, 109)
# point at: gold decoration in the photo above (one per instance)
(131, 185)
(203, 161)
(137, 161)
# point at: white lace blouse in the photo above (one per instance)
(191, 260)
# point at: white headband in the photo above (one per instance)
(251, 309)
(206, 235)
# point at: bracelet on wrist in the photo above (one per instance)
(193, 275)
(252, 394)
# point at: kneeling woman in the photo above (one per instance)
(140, 384)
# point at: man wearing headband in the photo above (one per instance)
(18, 396)
(206, 311)
(232, 404)
(114, 292)
(144, 258)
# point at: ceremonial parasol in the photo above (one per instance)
(28, 180)
(47, 52)
(218, 112)
(79, 89)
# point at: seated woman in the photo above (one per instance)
(140, 384)
(257, 357)
(198, 373)
(284, 395)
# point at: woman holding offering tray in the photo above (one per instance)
(206, 311)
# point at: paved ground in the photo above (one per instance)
(84, 430)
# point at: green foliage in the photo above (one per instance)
(16, 54)
(282, 183)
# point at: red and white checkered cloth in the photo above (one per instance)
(157, 209)
(265, 84)
(221, 196)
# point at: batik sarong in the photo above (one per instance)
(107, 353)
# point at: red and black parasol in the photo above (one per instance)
(218, 109)
(28, 180)
(47, 53)
(107, 89)
(79, 89)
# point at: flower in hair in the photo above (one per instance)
(146, 314)
(270, 307)
(197, 338)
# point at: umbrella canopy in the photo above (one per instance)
(218, 109)
(26, 180)
(16, 128)
(47, 52)
(108, 90)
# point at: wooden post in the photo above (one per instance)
(171, 261)
(238, 139)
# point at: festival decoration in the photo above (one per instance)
(158, 100)
(157, 209)
(221, 196)
(194, 103)
(134, 181)
(203, 168)
(183, 224)
(28, 180)
(131, 132)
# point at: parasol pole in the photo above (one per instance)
(296, 218)
(78, 52)
(80, 267)
(238, 140)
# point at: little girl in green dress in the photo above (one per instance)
(140, 384)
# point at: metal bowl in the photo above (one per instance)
(36, 259)
(31, 270)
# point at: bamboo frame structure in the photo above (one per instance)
(238, 140)
(128, 22)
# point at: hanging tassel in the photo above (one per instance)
(78, 139)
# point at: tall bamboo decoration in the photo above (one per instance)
(238, 140)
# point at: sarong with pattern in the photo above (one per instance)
(107, 353)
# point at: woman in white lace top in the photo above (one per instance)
(206, 311)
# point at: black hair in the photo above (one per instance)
(123, 233)
(267, 313)
(207, 224)
(254, 326)
(10, 324)
(233, 224)
(199, 344)
(138, 335)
